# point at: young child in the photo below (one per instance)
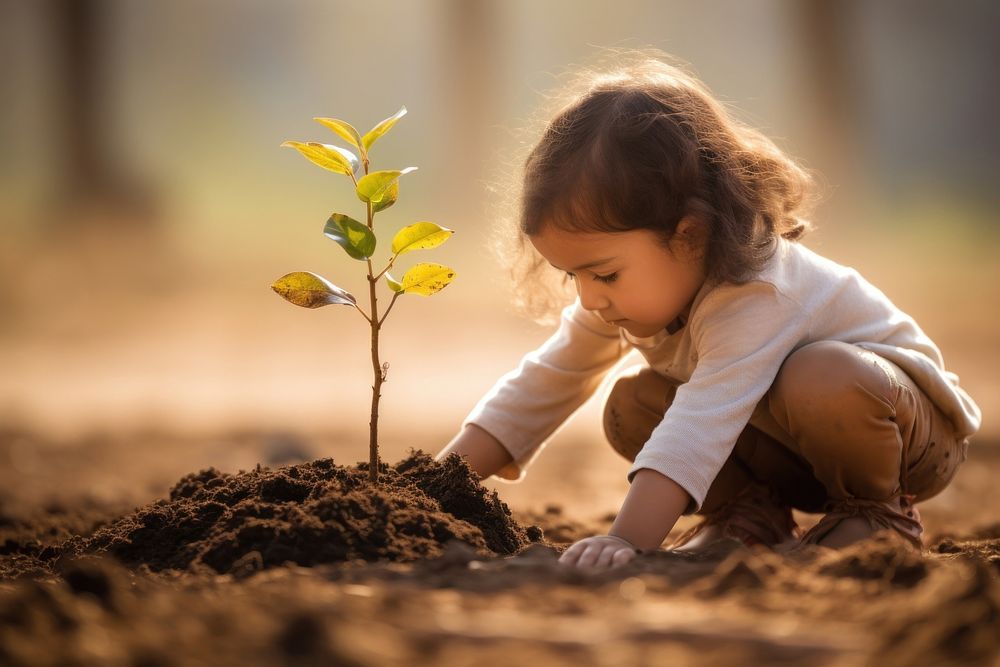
(776, 378)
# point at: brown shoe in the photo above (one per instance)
(898, 514)
(754, 516)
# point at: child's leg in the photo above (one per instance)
(872, 438)
(637, 403)
(737, 504)
(841, 430)
(633, 408)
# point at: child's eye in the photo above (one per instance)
(610, 278)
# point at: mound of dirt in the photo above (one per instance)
(29, 540)
(955, 620)
(311, 513)
(885, 557)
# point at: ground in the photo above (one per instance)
(457, 601)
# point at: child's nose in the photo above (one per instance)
(591, 297)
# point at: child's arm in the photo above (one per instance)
(651, 508)
(528, 404)
(484, 453)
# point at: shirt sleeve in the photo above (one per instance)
(741, 334)
(528, 404)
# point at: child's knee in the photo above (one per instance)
(837, 402)
(827, 378)
(634, 406)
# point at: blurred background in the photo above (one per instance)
(145, 206)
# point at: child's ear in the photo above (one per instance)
(690, 235)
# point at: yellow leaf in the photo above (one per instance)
(337, 160)
(388, 198)
(426, 279)
(311, 291)
(344, 130)
(374, 187)
(382, 128)
(419, 236)
(393, 284)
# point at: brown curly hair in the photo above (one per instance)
(642, 145)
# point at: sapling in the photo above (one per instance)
(378, 190)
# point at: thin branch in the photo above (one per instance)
(387, 267)
(363, 313)
(386, 313)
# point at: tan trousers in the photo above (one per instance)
(838, 422)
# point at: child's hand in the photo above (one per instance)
(599, 552)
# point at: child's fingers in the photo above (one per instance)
(614, 556)
(596, 553)
(590, 555)
(604, 560)
(571, 555)
(621, 557)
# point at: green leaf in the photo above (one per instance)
(375, 186)
(311, 291)
(336, 159)
(382, 128)
(353, 236)
(389, 198)
(393, 284)
(419, 236)
(426, 279)
(345, 130)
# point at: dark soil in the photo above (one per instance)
(307, 564)
(306, 514)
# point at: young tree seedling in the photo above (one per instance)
(378, 190)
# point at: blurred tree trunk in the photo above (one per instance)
(471, 56)
(77, 36)
(90, 178)
(825, 27)
(834, 88)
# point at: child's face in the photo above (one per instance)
(627, 278)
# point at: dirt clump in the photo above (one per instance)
(954, 620)
(886, 557)
(308, 514)
(31, 538)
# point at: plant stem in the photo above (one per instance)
(387, 267)
(377, 371)
(386, 313)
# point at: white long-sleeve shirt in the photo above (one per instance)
(725, 358)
